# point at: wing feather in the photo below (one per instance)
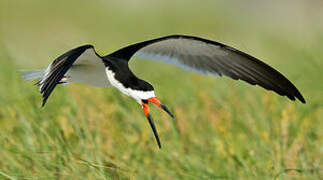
(74, 63)
(209, 57)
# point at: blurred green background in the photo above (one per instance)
(224, 129)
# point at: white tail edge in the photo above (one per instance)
(32, 75)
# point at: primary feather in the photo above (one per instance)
(209, 57)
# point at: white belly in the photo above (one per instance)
(136, 94)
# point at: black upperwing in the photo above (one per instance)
(57, 69)
(210, 57)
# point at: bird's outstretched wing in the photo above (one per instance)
(81, 64)
(209, 57)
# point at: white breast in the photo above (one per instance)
(136, 94)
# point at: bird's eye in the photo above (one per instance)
(144, 101)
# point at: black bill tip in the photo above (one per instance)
(166, 110)
(152, 125)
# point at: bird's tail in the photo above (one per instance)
(32, 75)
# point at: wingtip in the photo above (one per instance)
(43, 103)
(298, 96)
(301, 99)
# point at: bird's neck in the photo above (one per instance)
(125, 81)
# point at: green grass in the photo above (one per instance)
(223, 129)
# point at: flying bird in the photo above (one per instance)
(202, 56)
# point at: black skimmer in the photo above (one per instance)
(84, 65)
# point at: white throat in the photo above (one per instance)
(138, 95)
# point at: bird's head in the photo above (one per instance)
(145, 108)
